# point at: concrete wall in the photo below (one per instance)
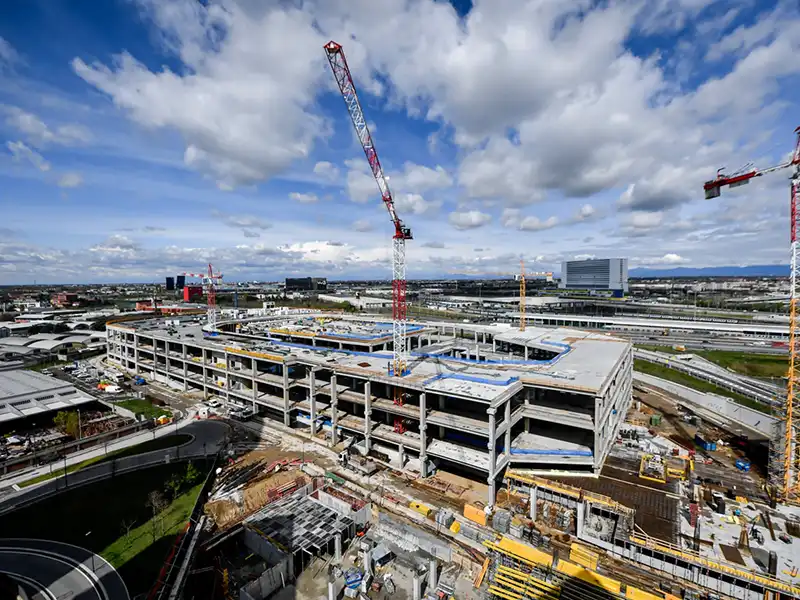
(360, 517)
(274, 578)
(714, 404)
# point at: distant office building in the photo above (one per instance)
(306, 284)
(64, 299)
(609, 274)
(170, 284)
(192, 292)
(180, 282)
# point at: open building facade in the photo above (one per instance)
(478, 398)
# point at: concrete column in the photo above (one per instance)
(492, 458)
(401, 451)
(227, 377)
(367, 416)
(581, 512)
(286, 413)
(423, 436)
(416, 585)
(334, 411)
(312, 397)
(432, 575)
(494, 345)
(185, 369)
(337, 545)
(135, 353)
(475, 335)
(507, 442)
(533, 503)
(331, 594)
(526, 353)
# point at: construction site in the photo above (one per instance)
(434, 459)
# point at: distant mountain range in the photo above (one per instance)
(751, 271)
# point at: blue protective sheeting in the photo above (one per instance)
(536, 452)
(472, 378)
(387, 355)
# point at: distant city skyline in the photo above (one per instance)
(141, 139)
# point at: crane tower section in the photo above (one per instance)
(784, 459)
(344, 80)
(210, 280)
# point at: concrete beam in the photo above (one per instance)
(507, 441)
(423, 435)
(334, 411)
(367, 416)
(286, 414)
(312, 398)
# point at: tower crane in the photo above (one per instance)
(784, 463)
(210, 281)
(522, 277)
(344, 80)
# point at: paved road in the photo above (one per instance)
(207, 438)
(56, 570)
(202, 434)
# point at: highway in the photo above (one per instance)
(702, 369)
(53, 570)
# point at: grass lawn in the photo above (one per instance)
(754, 365)
(92, 516)
(744, 363)
(144, 407)
(168, 523)
(693, 382)
(168, 441)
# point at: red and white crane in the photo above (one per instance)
(784, 464)
(210, 281)
(402, 233)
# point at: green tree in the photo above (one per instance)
(67, 422)
(192, 474)
(174, 485)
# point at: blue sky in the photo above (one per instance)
(144, 137)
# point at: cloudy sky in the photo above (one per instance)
(145, 137)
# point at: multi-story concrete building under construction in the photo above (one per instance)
(478, 399)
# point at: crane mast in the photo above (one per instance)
(784, 458)
(210, 280)
(344, 80)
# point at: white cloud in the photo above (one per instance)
(587, 211)
(249, 225)
(327, 171)
(39, 134)
(116, 244)
(363, 225)
(536, 224)
(243, 117)
(419, 178)
(21, 152)
(70, 180)
(8, 56)
(470, 219)
(667, 259)
(303, 198)
(413, 204)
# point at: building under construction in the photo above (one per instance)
(477, 399)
